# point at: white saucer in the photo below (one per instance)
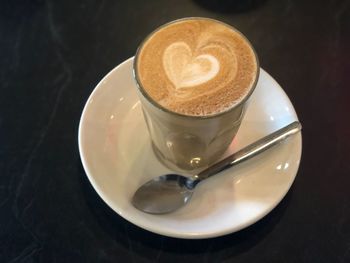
(117, 156)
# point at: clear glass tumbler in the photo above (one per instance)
(184, 142)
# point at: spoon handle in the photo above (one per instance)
(251, 150)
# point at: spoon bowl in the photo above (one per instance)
(163, 194)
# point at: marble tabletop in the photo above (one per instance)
(52, 55)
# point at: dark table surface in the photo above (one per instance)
(53, 53)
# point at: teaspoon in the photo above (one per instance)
(167, 193)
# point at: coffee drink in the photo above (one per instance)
(194, 77)
(197, 67)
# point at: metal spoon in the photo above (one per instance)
(167, 193)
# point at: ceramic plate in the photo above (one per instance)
(117, 156)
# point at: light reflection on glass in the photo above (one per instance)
(195, 160)
(279, 167)
(135, 105)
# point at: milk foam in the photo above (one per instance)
(186, 71)
(197, 67)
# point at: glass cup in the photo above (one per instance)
(188, 143)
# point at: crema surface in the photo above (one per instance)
(197, 67)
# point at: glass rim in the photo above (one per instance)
(164, 109)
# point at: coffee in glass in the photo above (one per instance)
(194, 77)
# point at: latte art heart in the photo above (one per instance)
(186, 71)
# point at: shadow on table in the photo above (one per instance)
(229, 6)
(151, 246)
